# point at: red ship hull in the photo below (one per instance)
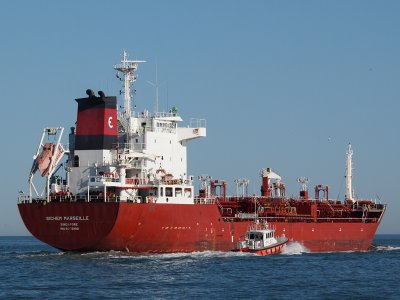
(161, 228)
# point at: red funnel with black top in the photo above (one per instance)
(97, 124)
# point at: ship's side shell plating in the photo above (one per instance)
(162, 228)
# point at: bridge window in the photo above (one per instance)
(178, 192)
(168, 192)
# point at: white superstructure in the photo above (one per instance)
(149, 162)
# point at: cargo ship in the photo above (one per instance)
(121, 183)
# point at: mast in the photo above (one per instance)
(157, 86)
(128, 68)
(349, 169)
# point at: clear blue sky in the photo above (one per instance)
(283, 84)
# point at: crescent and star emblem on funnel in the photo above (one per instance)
(109, 122)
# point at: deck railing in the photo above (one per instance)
(79, 199)
(201, 200)
(132, 181)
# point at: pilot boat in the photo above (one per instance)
(260, 239)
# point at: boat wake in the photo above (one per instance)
(294, 248)
(39, 254)
(195, 255)
(386, 248)
(135, 256)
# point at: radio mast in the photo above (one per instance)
(128, 68)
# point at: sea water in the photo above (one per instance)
(30, 269)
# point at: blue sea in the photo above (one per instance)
(30, 269)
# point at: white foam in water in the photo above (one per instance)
(39, 254)
(212, 254)
(386, 248)
(199, 254)
(294, 248)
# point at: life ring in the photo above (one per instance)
(186, 181)
(149, 200)
(196, 131)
